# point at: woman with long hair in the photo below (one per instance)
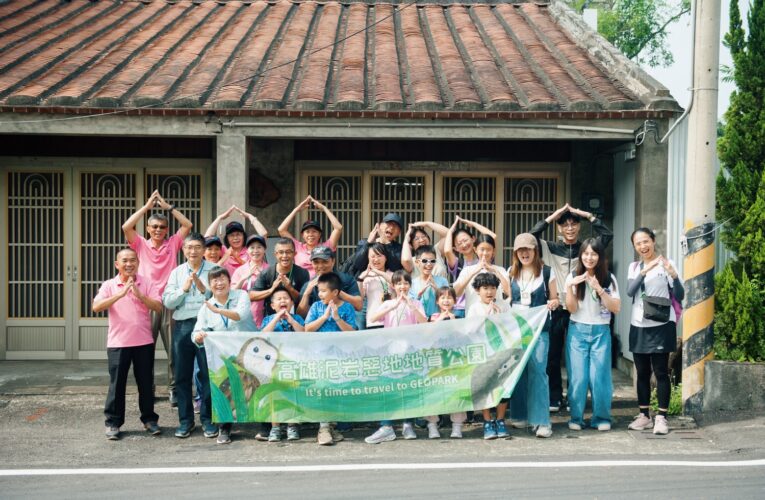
(652, 339)
(376, 286)
(532, 284)
(592, 297)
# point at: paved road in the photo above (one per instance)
(51, 424)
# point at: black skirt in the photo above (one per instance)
(654, 339)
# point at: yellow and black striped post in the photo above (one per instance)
(698, 317)
(699, 263)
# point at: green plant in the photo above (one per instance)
(740, 297)
(675, 401)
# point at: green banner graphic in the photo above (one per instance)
(394, 373)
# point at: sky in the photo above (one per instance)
(677, 78)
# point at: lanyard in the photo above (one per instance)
(201, 270)
(223, 318)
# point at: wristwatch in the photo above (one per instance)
(171, 208)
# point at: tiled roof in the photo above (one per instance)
(300, 55)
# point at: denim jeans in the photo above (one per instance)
(531, 397)
(119, 361)
(185, 352)
(588, 361)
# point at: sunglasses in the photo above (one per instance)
(157, 226)
(428, 261)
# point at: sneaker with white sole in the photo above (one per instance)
(489, 430)
(210, 430)
(641, 423)
(324, 437)
(543, 431)
(407, 431)
(604, 426)
(456, 431)
(383, 434)
(275, 435)
(518, 424)
(293, 434)
(224, 436)
(574, 426)
(660, 425)
(433, 431)
(337, 436)
(499, 425)
(112, 432)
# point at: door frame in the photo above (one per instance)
(72, 168)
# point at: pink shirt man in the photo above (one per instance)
(129, 318)
(157, 263)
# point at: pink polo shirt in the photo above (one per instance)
(303, 255)
(230, 264)
(156, 264)
(129, 318)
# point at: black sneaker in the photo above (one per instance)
(152, 428)
(554, 406)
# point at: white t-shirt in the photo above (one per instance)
(530, 287)
(590, 310)
(657, 284)
(480, 309)
(470, 294)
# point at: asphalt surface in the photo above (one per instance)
(51, 424)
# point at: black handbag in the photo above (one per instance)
(655, 308)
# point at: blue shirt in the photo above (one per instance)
(283, 325)
(346, 312)
(428, 298)
(186, 305)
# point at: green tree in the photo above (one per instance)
(638, 27)
(740, 304)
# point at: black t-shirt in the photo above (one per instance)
(297, 276)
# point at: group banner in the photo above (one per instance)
(396, 373)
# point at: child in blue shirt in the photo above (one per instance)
(330, 314)
(426, 284)
(282, 321)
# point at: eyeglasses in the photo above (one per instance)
(157, 226)
(284, 252)
(197, 248)
(570, 225)
(428, 261)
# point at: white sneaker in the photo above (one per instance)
(660, 425)
(518, 424)
(544, 431)
(640, 423)
(433, 431)
(456, 431)
(381, 435)
(408, 431)
(574, 426)
(604, 426)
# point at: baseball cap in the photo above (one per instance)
(256, 238)
(394, 217)
(310, 223)
(525, 240)
(213, 240)
(233, 227)
(322, 253)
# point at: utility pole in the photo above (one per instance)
(699, 264)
